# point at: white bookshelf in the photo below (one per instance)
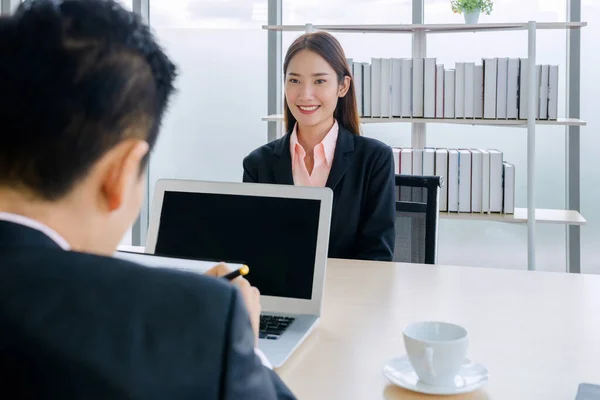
(529, 215)
(459, 121)
(544, 216)
(428, 28)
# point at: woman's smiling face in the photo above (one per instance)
(312, 89)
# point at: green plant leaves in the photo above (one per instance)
(484, 6)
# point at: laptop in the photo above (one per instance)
(280, 231)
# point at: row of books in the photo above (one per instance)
(421, 88)
(475, 180)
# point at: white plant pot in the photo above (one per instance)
(472, 17)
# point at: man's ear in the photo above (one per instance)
(122, 172)
(344, 86)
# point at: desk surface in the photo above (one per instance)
(538, 333)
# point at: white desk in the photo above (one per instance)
(538, 333)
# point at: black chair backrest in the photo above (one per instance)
(417, 213)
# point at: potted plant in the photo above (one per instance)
(472, 8)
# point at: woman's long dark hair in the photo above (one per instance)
(326, 46)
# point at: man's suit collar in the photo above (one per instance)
(16, 235)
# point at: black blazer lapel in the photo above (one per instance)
(282, 166)
(16, 235)
(342, 158)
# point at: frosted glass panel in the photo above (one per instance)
(590, 141)
(440, 11)
(208, 14)
(299, 12)
(214, 119)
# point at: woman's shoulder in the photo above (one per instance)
(370, 145)
(265, 150)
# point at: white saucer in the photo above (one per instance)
(471, 377)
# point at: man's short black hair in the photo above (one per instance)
(76, 78)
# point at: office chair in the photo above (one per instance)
(417, 213)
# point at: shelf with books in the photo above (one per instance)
(495, 90)
(462, 121)
(536, 106)
(428, 28)
(548, 216)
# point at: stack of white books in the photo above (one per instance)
(421, 88)
(475, 180)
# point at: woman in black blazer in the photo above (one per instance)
(323, 147)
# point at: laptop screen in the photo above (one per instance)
(275, 236)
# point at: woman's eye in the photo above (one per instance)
(320, 81)
(293, 80)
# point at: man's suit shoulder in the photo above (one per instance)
(73, 266)
(177, 332)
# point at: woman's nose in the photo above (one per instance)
(307, 91)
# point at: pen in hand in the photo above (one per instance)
(238, 272)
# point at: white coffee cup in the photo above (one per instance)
(436, 351)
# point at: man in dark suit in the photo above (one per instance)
(84, 88)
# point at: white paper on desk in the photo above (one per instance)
(181, 264)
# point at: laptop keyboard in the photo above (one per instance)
(273, 326)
